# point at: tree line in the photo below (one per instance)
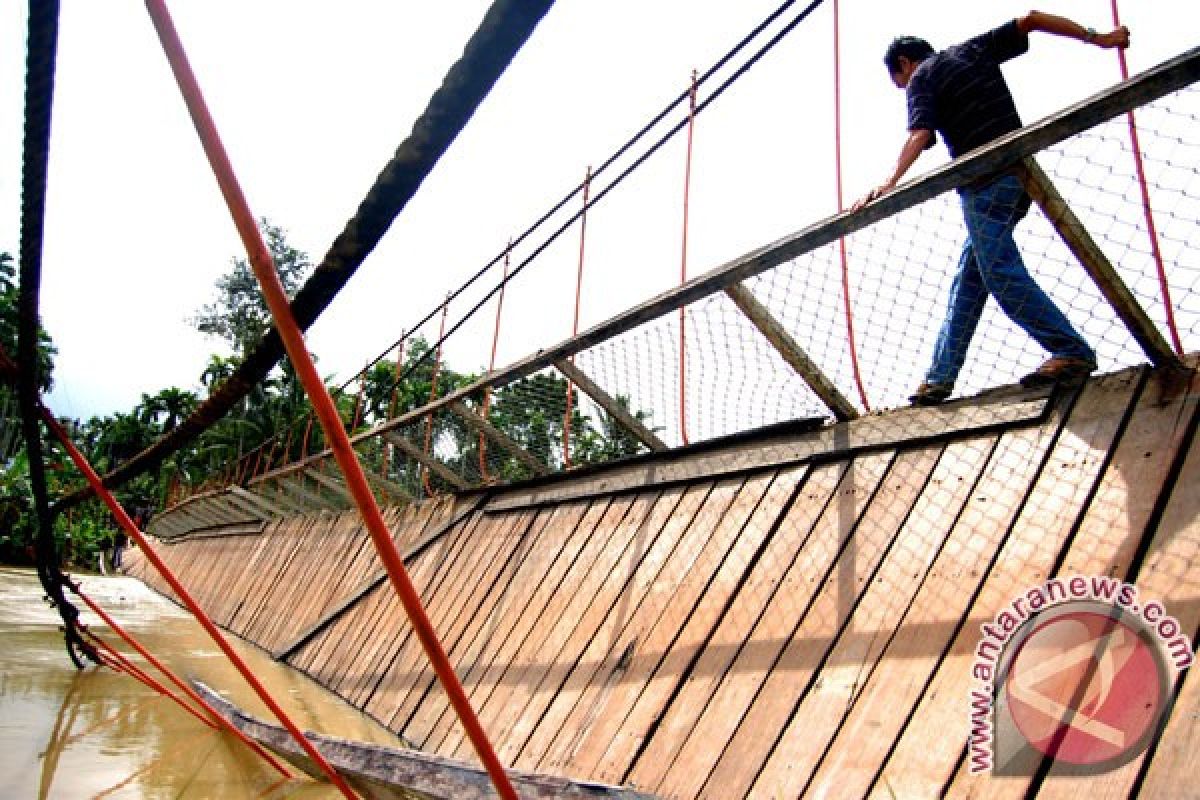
(272, 425)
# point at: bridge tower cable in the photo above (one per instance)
(1147, 207)
(847, 302)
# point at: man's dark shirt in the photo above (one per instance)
(961, 93)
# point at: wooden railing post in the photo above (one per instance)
(1097, 265)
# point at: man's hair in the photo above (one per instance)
(911, 47)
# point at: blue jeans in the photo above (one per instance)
(991, 264)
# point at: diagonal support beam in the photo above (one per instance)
(610, 405)
(481, 425)
(1097, 265)
(417, 454)
(330, 483)
(295, 485)
(792, 352)
(255, 499)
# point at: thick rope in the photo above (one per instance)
(587, 182)
(1147, 208)
(637, 163)
(504, 29)
(687, 193)
(41, 56)
(652, 149)
(837, 160)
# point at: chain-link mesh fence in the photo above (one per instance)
(714, 369)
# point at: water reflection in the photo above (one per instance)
(100, 734)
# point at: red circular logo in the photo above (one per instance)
(1087, 685)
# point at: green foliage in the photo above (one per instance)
(8, 324)
(239, 315)
(272, 425)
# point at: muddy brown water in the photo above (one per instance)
(66, 733)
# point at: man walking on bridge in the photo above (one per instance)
(961, 94)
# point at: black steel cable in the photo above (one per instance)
(620, 151)
(505, 28)
(41, 56)
(700, 107)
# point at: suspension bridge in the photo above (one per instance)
(736, 564)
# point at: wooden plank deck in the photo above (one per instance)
(803, 624)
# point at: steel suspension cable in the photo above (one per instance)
(504, 29)
(185, 597)
(609, 162)
(1147, 207)
(675, 129)
(183, 686)
(41, 57)
(292, 337)
(587, 183)
(687, 191)
(847, 302)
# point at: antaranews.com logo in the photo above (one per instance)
(1078, 669)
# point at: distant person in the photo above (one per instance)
(120, 542)
(961, 94)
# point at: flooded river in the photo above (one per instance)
(99, 734)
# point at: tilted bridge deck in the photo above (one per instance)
(789, 614)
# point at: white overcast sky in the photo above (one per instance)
(313, 97)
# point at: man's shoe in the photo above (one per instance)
(930, 394)
(1066, 371)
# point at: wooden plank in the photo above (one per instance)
(339, 490)
(1170, 573)
(401, 686)
(767, 610)
(683, 504)
(469, 633)
(842, 659)
(357, 594)
(592, 565)
(374, 665)
(267, 581)
(432, 716)
(911, 427)
(1106, 545)
(1009, 536)
(248, 507)
(625, 586)
(1096, 264)
(310, 500)
(791, 352)
(258, 500)
(428, 461)
(467, 596)
(1001, 154)
(687, 629)
(610, 405)
(568, 530)
(481, 425)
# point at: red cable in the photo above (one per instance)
(587, 184)
(123, 664)
(687, 190)
(175, 679)
(837, 161)
(487, 392)
(1151, 228)
(433, 382)
(182, 593)
(358, 401)
(339, 442)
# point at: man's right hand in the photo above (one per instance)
(1115, 38)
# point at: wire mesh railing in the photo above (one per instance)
(629, 393)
